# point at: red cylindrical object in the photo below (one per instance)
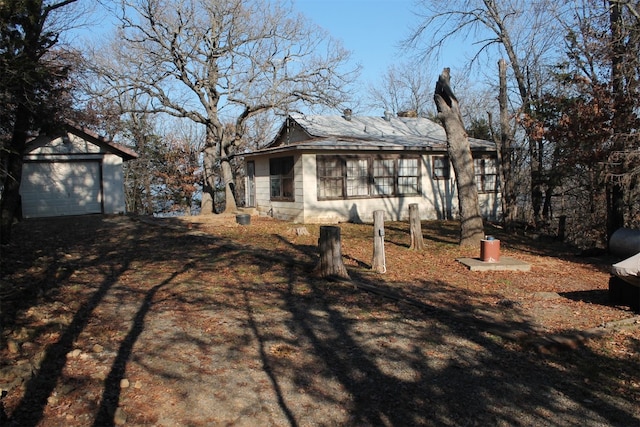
(490, 250)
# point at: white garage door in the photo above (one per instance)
(61, 188)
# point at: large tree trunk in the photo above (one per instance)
(208, 182)
(10, 201)
(615, 190)
(471, 225)
(229, 190)
(217, 152)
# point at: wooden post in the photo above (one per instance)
(417, 242)
(378, 263)
(330, 246)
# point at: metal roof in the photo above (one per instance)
(363, 133)
(392, 128)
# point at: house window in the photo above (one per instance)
(408, 176)
(357, 177)
(330, 179)
(441, 167)
(486, 172)
(281, 178)
(384, 175)
(367, 176)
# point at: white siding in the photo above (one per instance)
(263, 203)
(284, 210)
(113, 184)
(438, 198)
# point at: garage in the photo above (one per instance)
(61, 188)
(73, 172)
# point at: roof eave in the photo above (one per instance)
(125, 152)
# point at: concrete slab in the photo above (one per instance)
(505, 264)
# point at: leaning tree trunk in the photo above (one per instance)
(213, 154)
(471, 226)
(330, 264)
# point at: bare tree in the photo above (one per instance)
(601, 80)
(526, 32)
(504, 139)
(624, 18)
(471, 226)
(220, 63)
(138, 130)
(405, 87)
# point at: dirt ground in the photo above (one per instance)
(199, 321)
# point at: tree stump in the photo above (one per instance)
(378, 263)
(330, 246)
(415, 227)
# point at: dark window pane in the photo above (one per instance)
(281, 178)
(441, 167)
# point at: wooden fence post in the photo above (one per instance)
(417, 242)
(378, 263)
(330, 246)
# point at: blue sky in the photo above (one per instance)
(371, 29)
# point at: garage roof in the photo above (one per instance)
(86, 134)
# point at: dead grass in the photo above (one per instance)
(199, 321)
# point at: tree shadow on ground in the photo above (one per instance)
(81, 244)
(226, 319)
(595, 296)
(459, 363)
(41, 385)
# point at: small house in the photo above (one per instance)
(329, 169)
(73, 172)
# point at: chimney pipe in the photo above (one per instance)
(347, 114)
(387, 115)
